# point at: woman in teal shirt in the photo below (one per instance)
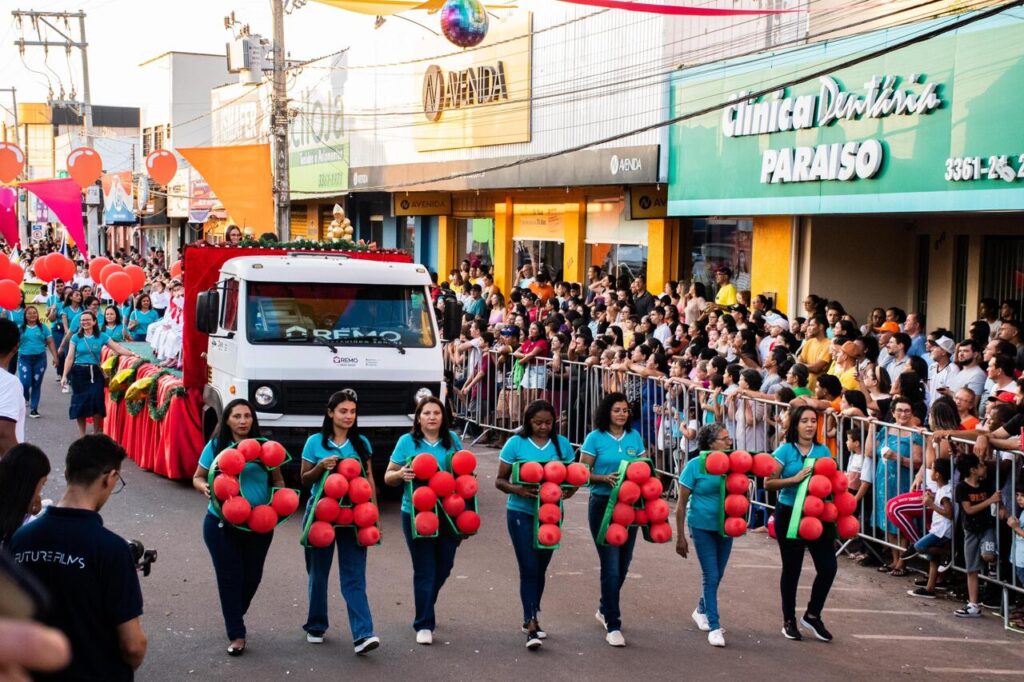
(339, 438)
(790, 471)
(238, 556)
(603, 450)
(700, 499)
(112, 326)
(432, 558)
(140, 318)
(35, 339)
(537, 441)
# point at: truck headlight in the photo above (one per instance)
(264, 396)
(423, 394)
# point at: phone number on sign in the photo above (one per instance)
(968, 168)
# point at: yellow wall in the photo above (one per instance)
(447, 258)
(662, 253)
(503, 219)
(574, 254)
(771, 258)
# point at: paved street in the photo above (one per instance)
(879, 631)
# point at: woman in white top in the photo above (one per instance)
(159, 298)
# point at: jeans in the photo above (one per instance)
(533, 562)
(713, 554)
(614, 563)
(31, 369)
(352, 576)
(432, 561)
(822, 553)
(930, 542)
(238, 559)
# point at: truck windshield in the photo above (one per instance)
(287, 312)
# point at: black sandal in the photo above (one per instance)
(236, 650)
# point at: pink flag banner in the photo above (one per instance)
(9, 215)
(64, 197)
(677, 10)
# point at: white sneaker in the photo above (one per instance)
(314, 639)
(65, 389)
(600, 619)
(424, 637)
(615, 638)
(716, 637)
(701, 620)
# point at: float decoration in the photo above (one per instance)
(550, 478)
(464, 22)
(823, 499)
(636, 501)
(225, 486)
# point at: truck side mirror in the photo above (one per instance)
(208, 311)
(452, 319)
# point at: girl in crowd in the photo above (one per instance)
(338, 439)
(604, 448)
(432, 558)
(140, 318)
(112, 325)
(35, 339)
(537, 441)
(23, 473)
(801, 443)
(238, 556)
(69, 313)
(700, 499)
(233, 235)
(159, 297)
(82, 370)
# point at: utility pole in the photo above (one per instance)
(14, 112)
(279, 125)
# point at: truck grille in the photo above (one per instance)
(375, 398)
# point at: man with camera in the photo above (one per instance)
(88, 570)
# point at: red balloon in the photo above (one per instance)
(463, 463)
(810, 528)
(443, 483)
(229, 461)
(736, 505)
(771, 527)
(15, 273)
(84, 166)
(629, 492)
(549, 513)
(829, 514)
(735, 526)
(616, 535)
(548, 535)
(236, 510)
(453, 505)
(426, 523)
(61, 267)
(321, 534)
(825, 466)
(273, 454)
(119, 286)
(660, 533)
(466, 486)
(12, 161)
(640, 517)
(846, 503)
(424, 498)
(41, 266)
(176, 269)
(344, 517)
(285, 501)
(848, 526)
(840, 482)
(737, 484)
(366, 514)
(651, 489)
(716, 463)
(623, 514)
(657, 511)
(108, 270)
(819, 486)
(138, 276)
(350, 468)
(554, 472)
(96, 266)
(250, 448)
(468, 522)
(764, 465)
(225, 486)
(638, 472)
(335, 486)
(740, 462)
(161, 165)
(368, 537)
(813, 506)
(550, 493)
(326, 510)
(359, 490)
(577, 474)
(5, 265)
(10, 294)
(531, 472)
(262, 519)
(424, 466)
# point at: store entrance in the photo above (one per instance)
(540, 255)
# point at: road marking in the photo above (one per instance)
(931, 638)
(929, 614)
(973, 671)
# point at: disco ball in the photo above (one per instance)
(464, 22)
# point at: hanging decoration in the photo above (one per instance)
(240, 177)
(677, 10)
(161, 165)
(464, 22)
(85, 166)
(12, 161)
(63, 196)
(9, 215)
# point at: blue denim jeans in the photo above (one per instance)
(713, 554)
(352, 576)
(31, 369)
(533, 562)
(238, 559)
(432, 561)
(614, 562)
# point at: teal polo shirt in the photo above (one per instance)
(406, 449)
(609, 451)
(522, 449)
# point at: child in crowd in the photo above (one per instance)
(1017, 526)
(860, 472)
(937, 540)
(975, 494)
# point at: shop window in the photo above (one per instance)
(923, 252)
(539, 254)
(961, 254)
(1002, 270)
(407, 235)
(478, 234)
(618, 246)
(624, 261)
(717, 243)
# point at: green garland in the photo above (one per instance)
(118, 396)
(157, 411)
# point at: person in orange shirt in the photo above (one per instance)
(541, 286)
(965, 400)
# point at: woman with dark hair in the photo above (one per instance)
(23, 473)
(537, 441)
(339, 438)
(36, 337)
(612, 440)
(140, 318)
(745, 346)
(801, 443)
(694, 302)
(238, 556)
(700, 500)
(797, 378)
(112, 323)
(432, 558)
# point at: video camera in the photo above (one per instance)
(144, 558)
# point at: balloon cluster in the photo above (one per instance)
(340, 227)
(636, 501)
(119, 282)
(550, 478)
(464, 22)
(226, 487)
(11, 277)
(451, 492)
(827, 500)
(737, 466)
(345, 499)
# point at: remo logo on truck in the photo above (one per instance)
(341, 333)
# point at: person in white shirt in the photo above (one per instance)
(159, 298)
(12, 393)
(942, 371)
(662, 331)
(971, 375)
